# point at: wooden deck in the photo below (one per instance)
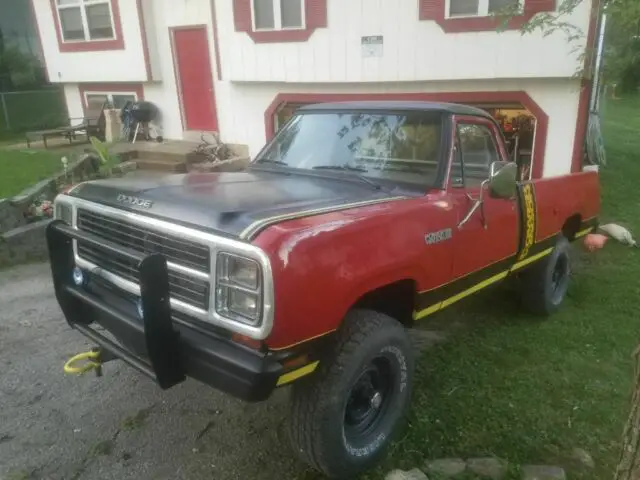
(168, 156)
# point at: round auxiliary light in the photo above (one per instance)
(140, 308)
(78, 276)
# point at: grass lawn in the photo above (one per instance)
(22, 168)
(19, 169)
(531, 390)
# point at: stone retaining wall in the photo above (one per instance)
(22, 241)
(24, 244)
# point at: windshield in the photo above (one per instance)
(399, 147)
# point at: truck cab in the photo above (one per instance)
(353, 223)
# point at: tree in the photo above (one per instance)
(18, 70)
(629, 464)
(622, 45)
(622, 53)
(621, 65)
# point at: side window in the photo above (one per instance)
(478, 151)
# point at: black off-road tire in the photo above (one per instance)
(544, 285)
(322, 427)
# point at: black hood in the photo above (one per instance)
(229, 202)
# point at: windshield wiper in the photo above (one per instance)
(350, 168)
(271, 161)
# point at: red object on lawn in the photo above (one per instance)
(595, 241)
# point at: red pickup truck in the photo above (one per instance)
(355, 222)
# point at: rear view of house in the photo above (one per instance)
(242, 67)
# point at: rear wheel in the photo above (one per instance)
(545, 284)
(344, 416)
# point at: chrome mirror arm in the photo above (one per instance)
(479, 204)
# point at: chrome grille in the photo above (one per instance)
(141, 239)
(188, 289)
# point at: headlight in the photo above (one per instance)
(64, 212)
(238, 289)
(239, 271)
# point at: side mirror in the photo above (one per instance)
(502, 183)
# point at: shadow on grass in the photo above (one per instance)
(524, 388)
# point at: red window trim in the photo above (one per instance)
(92, 45)
(315, 17)
(435, 10)
(542, 119)
(109, 87)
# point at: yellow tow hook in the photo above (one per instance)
(93, 361)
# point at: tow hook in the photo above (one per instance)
(93, 360)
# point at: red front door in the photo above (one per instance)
(195, 78)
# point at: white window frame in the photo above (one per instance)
(483, 9)
(109, 95)
(277, 18)
(83, 4)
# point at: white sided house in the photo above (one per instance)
(241, 67)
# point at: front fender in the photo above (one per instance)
(323, 265)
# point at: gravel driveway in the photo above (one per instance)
(121, 426)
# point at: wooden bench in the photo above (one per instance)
(93, 124)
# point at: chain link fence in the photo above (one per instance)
(32, 110)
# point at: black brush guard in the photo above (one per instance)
(156, 347)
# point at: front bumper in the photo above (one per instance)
(155, 345)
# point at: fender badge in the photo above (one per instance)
(437, 237)
(134, 201)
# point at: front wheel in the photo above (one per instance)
(344, 416)
(545, 284)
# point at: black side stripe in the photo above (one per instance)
(528, 219)
(429, 298)
(589, 226)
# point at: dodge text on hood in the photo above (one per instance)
(238, 204)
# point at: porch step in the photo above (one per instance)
(161, 156)
(161, 165)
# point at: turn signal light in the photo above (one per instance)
(295, 362)
(246, 341)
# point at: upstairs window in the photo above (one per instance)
(85, 20)
(278, 14)
(479, 8)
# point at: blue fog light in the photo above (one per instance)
(78, 277)
(140, 309)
